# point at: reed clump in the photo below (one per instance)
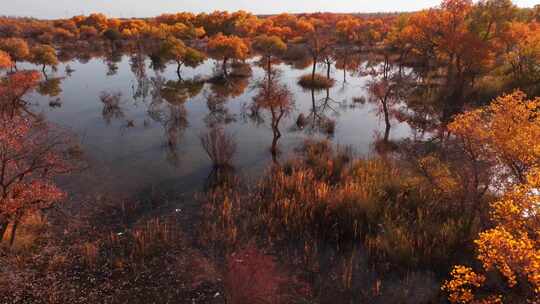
(317, 81)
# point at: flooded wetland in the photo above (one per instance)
(293, 158)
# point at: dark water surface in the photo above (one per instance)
(145, 142)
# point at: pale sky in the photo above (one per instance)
(149, 8)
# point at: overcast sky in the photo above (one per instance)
(148, 8)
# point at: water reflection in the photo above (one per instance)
(277, 99)
(51, 87)
(318, 119)
(112, 108)
(160, 118)
(220, 147)
(167, 108)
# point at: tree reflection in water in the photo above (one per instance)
(141, 88)
(277, 99)
(51, 87)
(318, 120)
(167, 108)
(222, 90)
(220, 147)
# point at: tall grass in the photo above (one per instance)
(327, 195)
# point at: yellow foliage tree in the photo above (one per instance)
(511, 251)
(506, 133)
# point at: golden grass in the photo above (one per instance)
(317, 82)
(326, 194)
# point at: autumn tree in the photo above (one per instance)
(5, 60)
(490, 19)
(269, 47)
(175, 50)
(113, 35)
(506, 134)
(509, 253)
(97, 21)
(16, 48)
(88, 32)
(452, 38)
(504, 138)
(12, 89)
(398, 38)
(524, 56)
(32, 153)
(277, 100)
(43, 55)
(347, 33)
(384, 93)
(317, 36)
(225, 48)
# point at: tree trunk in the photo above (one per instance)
(3, 227)
(386, 121)
(277, 135)
(44, 72)
(328, 67)
(225, 74)
(314, 70)
(179, 66)
(13, 232)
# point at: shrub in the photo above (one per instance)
(219, 146)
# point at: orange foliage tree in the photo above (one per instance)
(12, 89)
(175, 50)
(269, 47)
(43, 55)
(5, 60)
(524, 57)
(317, 35)
(31, 154)
(16, 48)
(225, 48)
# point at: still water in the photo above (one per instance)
(136, 140)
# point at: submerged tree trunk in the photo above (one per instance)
(44, 72)
(386, 120)
(328, 68)
(269, 66)
(178, 68)
(314, 69)
(225, 74)
(276, 118)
